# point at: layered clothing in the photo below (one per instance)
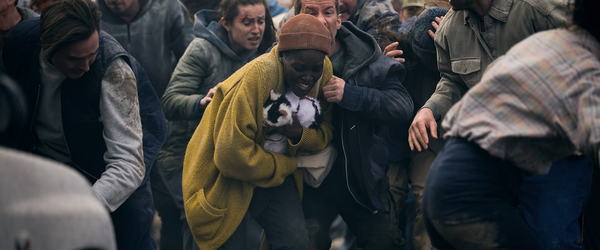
(116, 158)
(462, 62)
(555, 112)
(534, 109)
(225, 160)
(373, 96)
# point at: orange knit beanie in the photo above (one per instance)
(304, 31)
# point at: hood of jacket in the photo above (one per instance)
(207, 27)
(157, 37)
(109, 18)
(361, 48)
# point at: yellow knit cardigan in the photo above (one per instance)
(225, 160)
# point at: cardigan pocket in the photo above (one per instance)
(204, 219)
(469, 69)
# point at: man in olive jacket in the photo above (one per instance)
(471, 36)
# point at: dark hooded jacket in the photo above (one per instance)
(373, 96)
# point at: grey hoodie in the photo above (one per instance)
(157, 37)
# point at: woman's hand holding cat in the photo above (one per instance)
(334, 89)
(293, 131)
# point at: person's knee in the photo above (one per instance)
(318, 234)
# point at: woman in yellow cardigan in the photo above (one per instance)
(228, 178)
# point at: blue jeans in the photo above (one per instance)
(471, 201)
(552, 203)
(279, 212)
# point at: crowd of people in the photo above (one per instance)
(462, 124)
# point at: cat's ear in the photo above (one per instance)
(274, 96)
(284, 112)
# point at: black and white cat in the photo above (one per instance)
(277, 112)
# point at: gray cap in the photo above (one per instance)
(47, 205)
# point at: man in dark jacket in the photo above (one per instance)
(366, 88)
(92, 107)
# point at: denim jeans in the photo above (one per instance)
(279, 212)
(471, 201)
(552, 203)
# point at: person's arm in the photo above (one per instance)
(182, 98)
(449, 90)
(181, 29)
(587, 134)
(119, 109)
(385, 102)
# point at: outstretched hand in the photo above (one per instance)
(393, 52)
(417, 133)
(209, 96)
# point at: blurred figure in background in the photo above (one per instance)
(10, 15)
(39, 5)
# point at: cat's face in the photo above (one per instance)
(302, 69)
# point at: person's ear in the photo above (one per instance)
(338, 23)
(225, 24)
